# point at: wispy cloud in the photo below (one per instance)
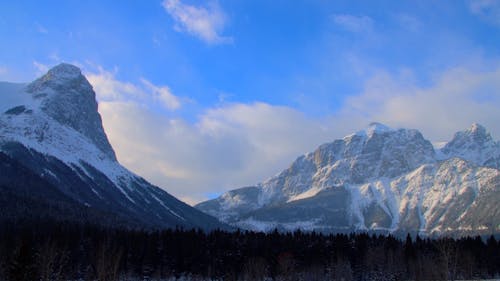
(488, 10)
(457, 97)
(227, 147)
(163, 95)
(40, 28)
(354, 23)
(40, 68)
(110, 89)
(206, 23)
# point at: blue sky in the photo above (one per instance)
(203, 96)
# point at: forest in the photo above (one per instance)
(50, 250)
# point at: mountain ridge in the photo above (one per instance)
(377, 179)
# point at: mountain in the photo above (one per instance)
(378, 179)
(476, 145)
(56, 161)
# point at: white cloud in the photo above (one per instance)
(488, 10)
(457, 98)
(40, 68)
(234, 145)
(228, 147)
(163, 94)
(108, 88)
(354, 23)
(206, 23)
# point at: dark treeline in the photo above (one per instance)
(67, 251)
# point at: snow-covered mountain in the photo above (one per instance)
(378, 179)
(56, 161)
(476, 145)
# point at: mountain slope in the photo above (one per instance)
(377, 179)
(53, 134)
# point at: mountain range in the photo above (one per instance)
(57, 163)
(378, 179)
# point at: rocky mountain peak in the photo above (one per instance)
(478, 133)
(379, 179)
(66, 96)
(374, 128)
(474, 144)
(64, 71)
(375, 152)
(377, 127)
(60, 76)
(473, 138)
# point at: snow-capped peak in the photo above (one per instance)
(378, 179)
(473, 138)
(374, 128)
(66, 96)
(52, 129)
(478, 132)
(474, 144)
(57, 115)
(475, 134)
(64, 71)
(378, 127)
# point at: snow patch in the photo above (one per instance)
(374, 128)
(49, 172)
(307, 194)
(166, 207)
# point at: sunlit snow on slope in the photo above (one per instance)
(396, 181)
(306, 194)
(35, 130)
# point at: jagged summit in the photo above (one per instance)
(66, 96)
(59, 76)
(64, 71)
(375, 128)
(474, 144)
(474, 137)
(478, 133)
(378, 127)
(378, 179)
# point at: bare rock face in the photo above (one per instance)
(68, 97)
